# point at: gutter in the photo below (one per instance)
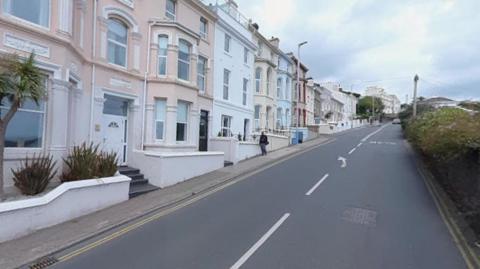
(94, 40)
(147, 70)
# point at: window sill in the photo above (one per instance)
(28, 23)
(227, 53)
(121, 67)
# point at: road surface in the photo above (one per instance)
(306, 212)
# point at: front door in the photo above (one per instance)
(114, 125)
(203, 132)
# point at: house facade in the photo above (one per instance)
(349, 101)
(233, 104)
(390, 101)
(299, 94)
(284, 91)
(266, 60)
(134, 77)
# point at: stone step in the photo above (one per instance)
(136, 190)
(138, 181)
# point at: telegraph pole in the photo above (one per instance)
(373, 109)
(415, 82)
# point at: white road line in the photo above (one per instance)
(359, 145)
(316, 185)
(259, 243)
(351, 151)
(374, 133)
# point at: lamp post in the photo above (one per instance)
(298, 83)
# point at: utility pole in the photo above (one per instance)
(298, 84)
(415, 81)
(373, 109)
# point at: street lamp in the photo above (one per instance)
(298, 83)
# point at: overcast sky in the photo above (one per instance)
(380, 42)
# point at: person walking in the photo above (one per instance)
(263, 143)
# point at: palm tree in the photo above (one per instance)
(20, 80)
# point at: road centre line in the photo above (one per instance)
(316, 185)
(359, 145)
(374, 133)
(351, 151)
(260, 242)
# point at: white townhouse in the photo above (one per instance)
(284, 91)
(233, 107)
(390, 101)
(349, 101)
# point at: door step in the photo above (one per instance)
(227, 163)
(139, 184)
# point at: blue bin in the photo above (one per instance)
(300, 137)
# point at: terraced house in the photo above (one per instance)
(135, 77)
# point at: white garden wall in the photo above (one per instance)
(235, 150)
(164, 169)
(67, 201)
(277, 142)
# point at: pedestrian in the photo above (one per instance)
(263, 143)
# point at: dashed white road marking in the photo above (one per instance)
(351, 151)
(259, 243)
(316, 185)
(374, 133)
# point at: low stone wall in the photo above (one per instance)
(277, 142)
(164, 169)
(234, 150)
(67, 201)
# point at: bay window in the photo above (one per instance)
(117, 42)
(162, 55)
(182, 120)
(160, 111)
(184, 60)
(258, 79)
(25, 129)
(37, 12)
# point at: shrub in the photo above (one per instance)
(107, 164)
(34, 174)
(445, 134)
(87, 162)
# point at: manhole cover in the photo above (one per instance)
(360, 216)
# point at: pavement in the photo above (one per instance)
(26, 250)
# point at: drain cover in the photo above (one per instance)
(360, 216)
(43, 263)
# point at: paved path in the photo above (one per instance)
(307, 212)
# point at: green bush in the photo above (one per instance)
(34, 174)
(445, 134)
(107, 164)
(87, 162)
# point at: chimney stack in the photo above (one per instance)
(275, 41)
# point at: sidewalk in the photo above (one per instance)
(47, 241)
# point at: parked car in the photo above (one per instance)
(396, 121)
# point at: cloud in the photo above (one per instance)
(358, 41)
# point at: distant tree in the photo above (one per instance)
(20, 80)
(365, 106)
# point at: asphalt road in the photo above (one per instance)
(374, 213)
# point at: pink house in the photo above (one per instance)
(132, 76)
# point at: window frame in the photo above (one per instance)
(245, 91)
(163, 57)
(202, 75)
(279, 88)
(168, 13)
(44, 119)
(185, 123)
(228, 128)
(226, 83)
(279, 118)
(157, 120)
(255, 118)
(227, 43)
(258, 79)
(8, 13)
(203, 22)
(179, 60)
(118, 43)
(245, 55)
